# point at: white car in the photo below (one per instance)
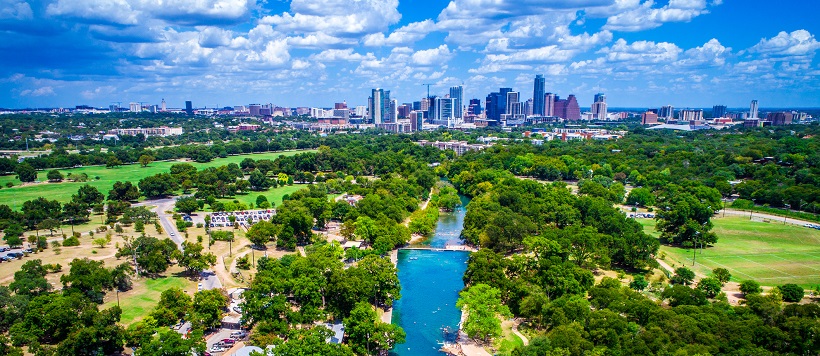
(216, 348)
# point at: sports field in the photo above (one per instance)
(768, 252)
(15, 196)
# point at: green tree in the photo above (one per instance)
(641, 197)
(123, 191)
(88, 277)
(722, 275)
(193, 260)
(709, 286)
(30, 279)
(174, 304)
(749, 287)
(54, 176)
(158, 185)
(684, 217)
(310, 341)
(792, 293)
(483, 307)
(262, 232)
(368, 336)
(187, 205)
(145, 160)
(258, 180)
(262, 202)
(638, 283)
(113, 162)
(683, 276)
(12, 235)
(207, 308)
(25, 172)
(168, 342)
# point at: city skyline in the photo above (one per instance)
(685, 53)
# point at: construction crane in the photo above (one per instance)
(428, 88)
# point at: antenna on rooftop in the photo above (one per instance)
(428, 88)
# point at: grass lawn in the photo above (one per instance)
(770, 253)
(15, 196)
(274, 195)
(138, 302)
(508, 341)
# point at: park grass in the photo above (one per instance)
(769, 252)
(15, 196)
(143, 298)
(508, 340)
(274, 195)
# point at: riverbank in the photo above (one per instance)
(464, 346)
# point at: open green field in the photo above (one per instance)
(274, 195)
(770, 253)
(15, 196)
(138, 302)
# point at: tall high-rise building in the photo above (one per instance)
(549, 104)
(441, 111)
(528, 107)
(340, 106)
(393, 111)
(164, 108)
(718, 111)
(378, 106)
(538, 96)
(416, 105)
(135, 107)
(568, 108)
(189, 108)
(513, 98)
(599, 107)
(667, 112)
(475, 107)
(753, 110)
(416, 120)
(457, 93)
(690, 115)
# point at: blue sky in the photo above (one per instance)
(641, 53)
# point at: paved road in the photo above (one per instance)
(209, 280)
(766, 216)
(161, 206)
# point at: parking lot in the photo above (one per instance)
(243, 218)
(8, 254)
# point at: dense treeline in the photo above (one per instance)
(505, 212)
(295, 291)
(616, 320)
(779, 167)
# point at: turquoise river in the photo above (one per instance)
(430, 282)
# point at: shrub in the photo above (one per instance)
(71, 241)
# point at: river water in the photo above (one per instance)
(430, 282)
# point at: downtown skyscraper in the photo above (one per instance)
(378, 106)
(538, 96)
(457, 94)
(599, 107)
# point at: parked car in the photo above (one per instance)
(236, 335)
(228, 342)
(217, 348)
(4, 249)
